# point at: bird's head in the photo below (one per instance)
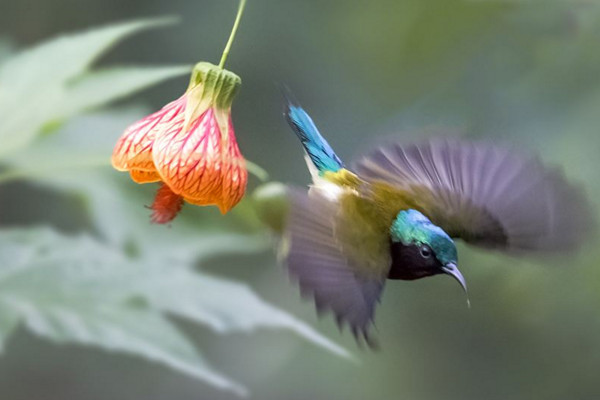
(419, 249)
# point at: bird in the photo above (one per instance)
(397, 213)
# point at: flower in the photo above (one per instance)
(189, 145)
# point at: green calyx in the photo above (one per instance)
(213, 85)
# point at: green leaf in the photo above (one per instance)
(9, 320)
(76, 289)
(222, 305)
(6, 49)
(98, 88)
(36, 84)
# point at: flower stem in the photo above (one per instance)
(257, 171)
(232, 35)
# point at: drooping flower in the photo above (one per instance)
(190, 146)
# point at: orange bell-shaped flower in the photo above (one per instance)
(189, 145)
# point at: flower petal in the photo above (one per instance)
(235, 173)
(186, 160)
(134, 148)
(140, 176)
(204, 164)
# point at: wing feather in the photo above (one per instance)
(486, 194)
(315, 258)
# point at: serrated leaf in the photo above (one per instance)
(76, 289)
(68, 56)
(223, 305)
(80, 296)
(34, 83)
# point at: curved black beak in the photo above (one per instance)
(452, 270)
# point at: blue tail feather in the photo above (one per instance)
(317, 148)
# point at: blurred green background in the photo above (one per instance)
(524, 73)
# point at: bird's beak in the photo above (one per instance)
(452, 270)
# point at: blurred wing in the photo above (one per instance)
(316, 259)
(486, 195)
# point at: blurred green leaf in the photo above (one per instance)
(76, 289)
(6, 49)
(98, 88)
(9, 320)
(48, 83)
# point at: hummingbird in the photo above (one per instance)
(396, 214)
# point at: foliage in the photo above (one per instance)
(117, 285)
(518, 72)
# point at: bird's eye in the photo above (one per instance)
(425, 252)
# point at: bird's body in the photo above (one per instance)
(396, 213)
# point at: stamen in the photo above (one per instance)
(166, 206)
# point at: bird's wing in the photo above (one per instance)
(322, 251)
(484, 194)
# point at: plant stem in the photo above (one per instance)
(232, 35)
(257, 171)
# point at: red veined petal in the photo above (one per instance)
(203, 164)
(234, 171)
(228, 187)
(134, 148)
(187, 160)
